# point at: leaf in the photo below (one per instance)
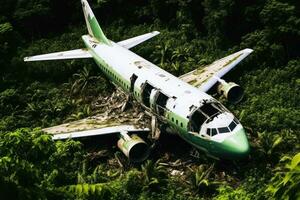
(86, 189)
(295, 161)
(277, 142)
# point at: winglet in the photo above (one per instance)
(93, 26)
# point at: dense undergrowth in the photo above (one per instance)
(193, 33)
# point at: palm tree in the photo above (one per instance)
(154, 175)
(200, 178)
(83, 79)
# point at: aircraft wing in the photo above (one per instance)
(129, 43)
(206, 77)
(94, 126)
(63, 55)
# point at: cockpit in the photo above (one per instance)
(221, 130)
(201, 118)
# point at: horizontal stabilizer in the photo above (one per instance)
(63, 55)
(129, 43)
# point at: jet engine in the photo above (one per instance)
(134, 147)
(231, 91)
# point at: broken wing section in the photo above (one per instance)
(98, 131)
(206, 77)
(132, 42)
(63, 55)
(126, 130)
(93, 126)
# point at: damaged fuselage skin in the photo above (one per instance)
(196, 116)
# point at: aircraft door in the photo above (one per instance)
(132, 82)
(146, 92)
(161, 101)
(153, 97)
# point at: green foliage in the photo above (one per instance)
(201, 180)
(6, 41)
(154, 175)
(286, 182)
(253, 185)
(84, 80)
(90, 191)
(193, 34)
(227, 192)
(30, 163)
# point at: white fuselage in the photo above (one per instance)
(120, 64)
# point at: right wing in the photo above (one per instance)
(206, 77)
(63, 55)
(129, 43)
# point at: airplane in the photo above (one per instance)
(181, 103)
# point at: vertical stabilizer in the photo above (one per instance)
(93, 26)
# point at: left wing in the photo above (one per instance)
(63, 55)
(126, 129)
(96, 125)
(98, 132)
(206, 77)
(129, 43)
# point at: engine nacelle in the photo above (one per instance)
(231, 91)
(134, 147)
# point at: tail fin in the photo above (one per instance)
(92, 23)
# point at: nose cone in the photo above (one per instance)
(236, 146)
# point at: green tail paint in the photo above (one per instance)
(93, 26)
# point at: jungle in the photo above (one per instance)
(194, 33)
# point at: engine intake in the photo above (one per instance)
(231, 91)
(134, 147)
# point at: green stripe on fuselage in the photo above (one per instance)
(182, 131)
(110, 73)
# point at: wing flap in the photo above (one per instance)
(129, 43)
(63, 55)
(205, 77)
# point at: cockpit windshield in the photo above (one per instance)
(209, 109)
(206, 112)
(221, 130)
